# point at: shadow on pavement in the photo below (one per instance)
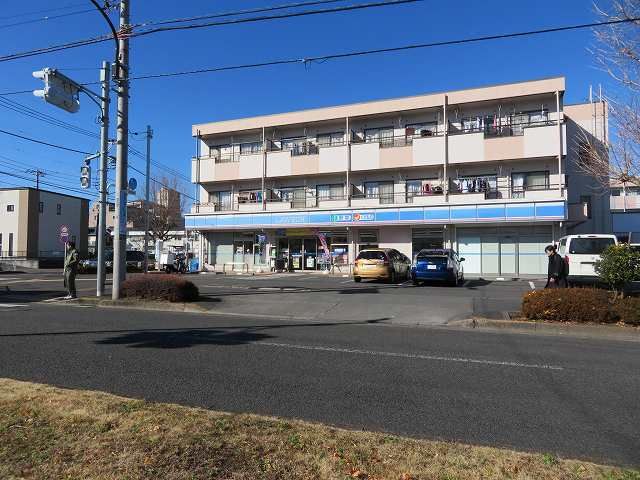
(184, 338)
(29, 296)
(188, 337)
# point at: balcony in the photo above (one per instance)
(226, 167)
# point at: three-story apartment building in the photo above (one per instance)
(488, 171)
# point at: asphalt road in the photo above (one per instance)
(315, 297)
(571, 397)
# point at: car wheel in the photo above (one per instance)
(357, 279)
(415, 282)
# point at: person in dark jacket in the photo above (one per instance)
(557, 272)
(70, 270)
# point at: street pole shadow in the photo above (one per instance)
(185, 338)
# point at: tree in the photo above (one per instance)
(617, 52)
(165, 209)
(618, 266)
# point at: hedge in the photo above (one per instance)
(568, 305)
(173, 288)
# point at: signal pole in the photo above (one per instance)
(104, 161)
(120, 240)
(146, 206)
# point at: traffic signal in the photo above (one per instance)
(85, 174)
(59, 90)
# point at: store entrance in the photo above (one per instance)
(307, 253)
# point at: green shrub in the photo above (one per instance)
(173, 288)
(568, 305)
(618, 265)
(627, 310)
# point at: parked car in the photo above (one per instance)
(134, 260)
(381, 264)
(88, 265)
(581, 252)
(442, 265)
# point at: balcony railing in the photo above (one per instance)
(504, 129)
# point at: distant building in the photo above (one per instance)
(31, 222)
(625, 212)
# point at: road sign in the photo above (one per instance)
(133, 184)
(64, 232)
(59, 90)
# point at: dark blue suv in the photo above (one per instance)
(438, 265)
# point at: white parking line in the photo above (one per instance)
(413, 356)
(532, 285)
(466, 282)
(12, 305)
(347, 281)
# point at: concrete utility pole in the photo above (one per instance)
(104, 161)
(120, 240)
(147, 197)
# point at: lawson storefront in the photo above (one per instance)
(495, 239)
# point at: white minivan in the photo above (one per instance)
(581, 252)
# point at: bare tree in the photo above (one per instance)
(617, 52)
(166, 206)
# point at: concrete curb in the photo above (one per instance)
(136, 304)
(609, 332)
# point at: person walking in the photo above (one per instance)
(70, 270)
(557, 271)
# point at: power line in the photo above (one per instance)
(346, 8)
(43, 117)
(103, 38)
(160, 183)
(238, 12)
(44, 143)
(37, 12)
(44, 19)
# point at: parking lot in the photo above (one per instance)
(312, 296)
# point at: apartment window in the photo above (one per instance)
(112, 208)
(222, 153)
(330, 192)
(10, 208)
(586, 200)
(59, 209)
(40, 207)
(11, 244)
(250, 148)
(380, 135)
(616, 192)
(221, 200)
(381, 190)
(425, 129)
(328, 139)
(1, 254)
(528, 181)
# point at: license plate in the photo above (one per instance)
(367, 266)
(432, 267)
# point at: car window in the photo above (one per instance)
(589, 246)
(371, 255)
(135, 256)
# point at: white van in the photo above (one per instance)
(581, 252)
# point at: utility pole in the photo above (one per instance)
(120, 240)
(147, 197)
(104, 161)
(38, 173)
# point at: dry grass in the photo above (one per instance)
(52, 433)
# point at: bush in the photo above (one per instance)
(173, 288)
(618, 265)
(628, 310)
(568, 305)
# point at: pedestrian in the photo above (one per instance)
(557, 272)
(70, 270)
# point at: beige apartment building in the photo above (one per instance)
(490, 171)
(34, 223)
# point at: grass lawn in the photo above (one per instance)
(53, 433)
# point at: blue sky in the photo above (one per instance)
(172, 105)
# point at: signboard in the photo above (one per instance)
(64, 233)
(353, 217)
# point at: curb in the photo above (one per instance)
(609, 332)
(135, 304)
